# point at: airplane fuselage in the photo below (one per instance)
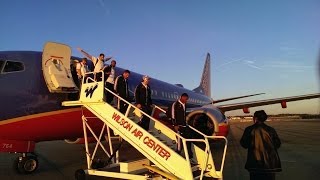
(29, 112)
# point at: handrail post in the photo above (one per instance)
(128, 110)
(86, 141)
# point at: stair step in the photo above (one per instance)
(194, 164)
(196, 174)
(161, 135)
(195, 167)
(154, 131)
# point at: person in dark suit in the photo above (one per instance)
(262, 143)
(122, 89)
(143, 99)
(178, 117)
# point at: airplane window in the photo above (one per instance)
(12, 66)
(162, 94)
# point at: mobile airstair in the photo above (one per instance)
(158, 144)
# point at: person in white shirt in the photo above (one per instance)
(110, 73)
(82, 69)
(97, 62)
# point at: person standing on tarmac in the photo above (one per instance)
(262, 143)
(177, 113)
(122, 89)
(97, 62)
(110, 73)
(143, 99)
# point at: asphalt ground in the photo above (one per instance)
(299, 153)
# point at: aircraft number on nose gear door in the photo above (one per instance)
(7, 146)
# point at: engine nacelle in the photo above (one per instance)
(206, 120)
(80, 140)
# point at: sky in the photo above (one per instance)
(255, 46)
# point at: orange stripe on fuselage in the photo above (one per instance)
(59, 57)
(22, 118)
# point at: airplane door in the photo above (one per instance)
(56, 68)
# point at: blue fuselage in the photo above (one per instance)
(25, 92)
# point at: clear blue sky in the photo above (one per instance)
(256, 46)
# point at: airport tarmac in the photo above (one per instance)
(299, 153)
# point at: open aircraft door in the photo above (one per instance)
(56, 68)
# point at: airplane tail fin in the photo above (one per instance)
(205, 83)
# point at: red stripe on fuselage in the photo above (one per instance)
(16, 146)
(48, 126)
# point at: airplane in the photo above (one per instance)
(35, 83)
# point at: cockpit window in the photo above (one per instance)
(12, 66)
(1, 65)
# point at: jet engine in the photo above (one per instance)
(206, 119)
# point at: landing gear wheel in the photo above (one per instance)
(80, 174)
(26, 165)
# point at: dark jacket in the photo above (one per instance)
(143, 95)
(107, 70)
(121, 87)
(178, 114)
(262, 143)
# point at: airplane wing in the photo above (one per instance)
(233, 98)
(243, 105)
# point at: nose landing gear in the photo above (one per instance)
(26, 164)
